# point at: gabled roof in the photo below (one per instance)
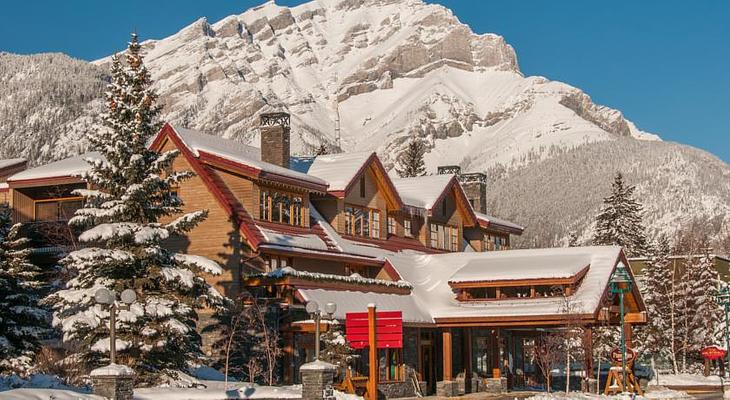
(423, 191)
(67, 169)
(488, 221)
(230, 154)
(341, 171)
(428, 191)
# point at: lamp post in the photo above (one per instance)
(108, 297)
(312, 308)
(620, 284)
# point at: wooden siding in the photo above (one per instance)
(23, 207)
(216, 237)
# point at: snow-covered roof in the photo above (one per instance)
(498, 221)
(351, 301)
(422, 191)
(4, 187)
(69, 167)
(10, 162)
(339, 169)
(432, 298)
(550, 266)
(237, 152)
(430, 274)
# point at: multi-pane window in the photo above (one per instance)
(445, 237)
(281, 207)
(391, 225)
(495, 242)
(407, 227)
(363, 222)
(275, 262)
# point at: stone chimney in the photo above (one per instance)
(474, 184)
(275, 138)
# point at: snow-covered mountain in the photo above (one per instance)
(385, 69)
(388, 69)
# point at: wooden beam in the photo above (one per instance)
(447, 345)
(628, 333)
(588, 351)
(373, 355)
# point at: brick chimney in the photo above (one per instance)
(275, 138)
(474, 184)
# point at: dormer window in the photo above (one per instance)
(281, 207)
(548, 277)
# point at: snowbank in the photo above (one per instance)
(686, 380)
(45, 394)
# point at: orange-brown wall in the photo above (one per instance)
(373, 199)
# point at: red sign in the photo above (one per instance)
(616, 355)
(388, 329)
(713, 352)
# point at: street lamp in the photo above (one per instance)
(108, 297)
(620, 284)
(312, 308)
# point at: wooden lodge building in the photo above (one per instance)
(346, 232)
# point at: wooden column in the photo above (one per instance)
(447, 345)
(588, 350)
(288, 357)
(373, 355)
(467, 359)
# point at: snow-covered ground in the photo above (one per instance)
(207, 384)
(658, 393)
(686, 380)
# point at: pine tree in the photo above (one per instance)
(335, 348)
(573, 239)
(706, 315)
(22, 320)
(121, 223)
(656, 338)
(410, 162)
(619, 222)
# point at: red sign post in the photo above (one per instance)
(713, 353)
(374, 330)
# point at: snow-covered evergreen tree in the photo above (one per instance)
(335, 348)
(619, 222)
(706, 314)
(122, 227)
(410, 162)
(22, 320)
(656, 338)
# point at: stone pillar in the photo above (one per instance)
(317, 377)
(115, 382)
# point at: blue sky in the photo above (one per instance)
(664, 63)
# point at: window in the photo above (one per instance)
(375, 228)
(408, 227)
(281, 207)
(362, 186)
(61, 210)
(391, 225)
(444, 237)
(362, 222)
(276, 262)
(390, 364)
